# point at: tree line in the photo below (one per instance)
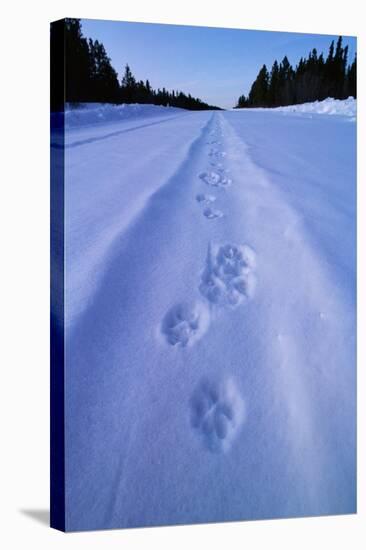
(90, 77)
(314, 78)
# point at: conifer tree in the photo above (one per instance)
(128, 86)
(242, 102)
(104, 85)
(258, 94)
(273, 85)
(351, 79)
(77, 63)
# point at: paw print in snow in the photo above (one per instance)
(183, 325)
(217, 413)
(228, 277)
(215, 179)
(212, 214)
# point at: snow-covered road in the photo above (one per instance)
(210, 318)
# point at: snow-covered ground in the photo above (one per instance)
(96, 113)
(210, 318)
(329, 106)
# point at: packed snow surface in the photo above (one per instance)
(210, 317)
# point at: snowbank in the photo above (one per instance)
(329, 106)
(94, 113)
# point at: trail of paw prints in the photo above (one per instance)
(229, 275)
(217, 413)
(216, 177)
(185, 324)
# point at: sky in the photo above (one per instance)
(217, 65)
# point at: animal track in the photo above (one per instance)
(217, 154)
(228, 277)
(211, 214)
(205, 199)
(219, 167)
(217, 413)
(183, 325)
(214, 142)
(215, 179)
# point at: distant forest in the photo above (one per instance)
(90, 77)
(314, 78)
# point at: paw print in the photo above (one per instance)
(212, 214)
(217, 413)
(184, 324)
(228, 277)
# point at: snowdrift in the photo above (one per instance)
(96, 113)
(329, 106)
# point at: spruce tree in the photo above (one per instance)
(128, 86)
(352, 78)
(77, 63)
(258, 94)
(273, 88)
(105, 86)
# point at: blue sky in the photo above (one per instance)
(216, 65)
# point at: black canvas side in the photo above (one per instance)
(57, 423)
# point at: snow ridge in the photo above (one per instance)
(87, 114)
(328, 106)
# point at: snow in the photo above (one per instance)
(210, 318)
(329, 106)
(96, 113)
